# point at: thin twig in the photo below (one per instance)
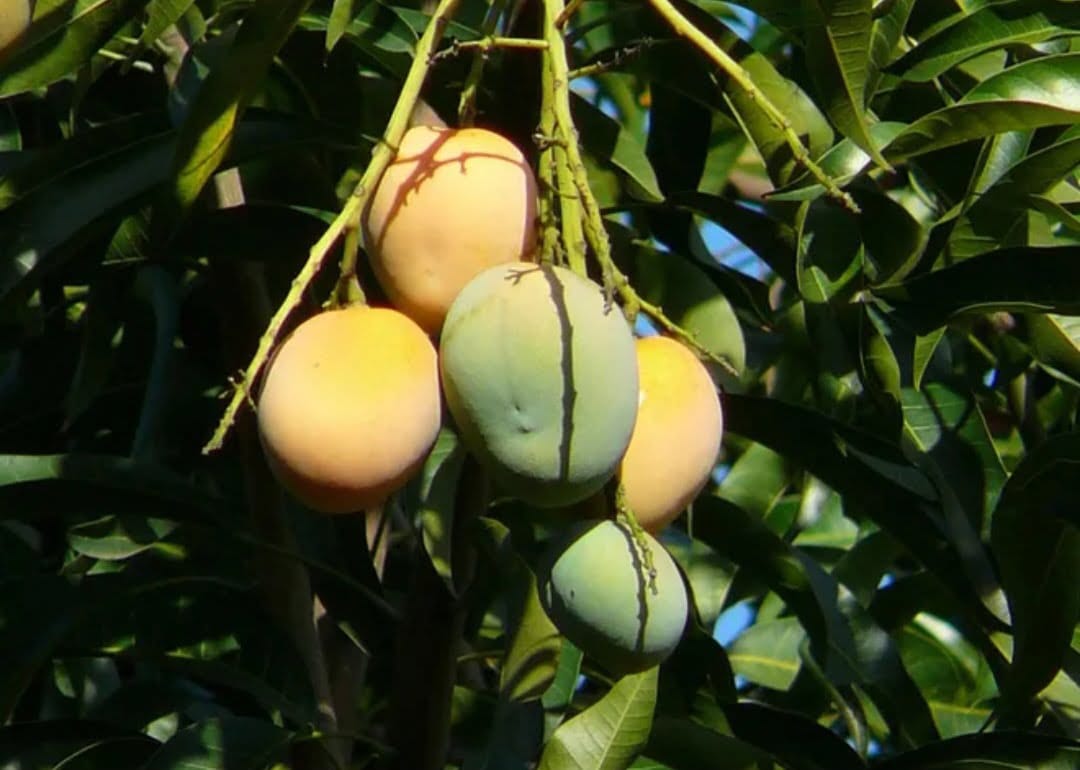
(467, 100)
(617, 59)
(349, 216)
(684, 28)
(486, 45)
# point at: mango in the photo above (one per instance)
(598, 593)
(14, 21)
(676, 438)
(540, 375)
(350, 407)
(452, 203)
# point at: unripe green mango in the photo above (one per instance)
(540, 375)
(598, 593)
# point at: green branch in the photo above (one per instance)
(348, 217)
(562, 143)
(684, 28)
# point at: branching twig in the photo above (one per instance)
(583, 207)
(486, 45)
(617, 59)
(349, 216)
(467, 100)
(705, 44)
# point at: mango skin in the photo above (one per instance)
(452, 203)
(350, 408)
(677, 435)
(541, 378)
(14, 21)
(596, 591)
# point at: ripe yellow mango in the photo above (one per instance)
(350, 407)
(677, 435)
(452, 203)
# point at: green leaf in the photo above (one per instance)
(837, 36)
(1056, 342)
(118, 537)
(162, 14)
(223, 743)
(692, 300)
(888, 31)
(535, 652)
(767, 653)
(756, 480)
(684, 744)
(998, 750)
(805, 744)
(829, 257)
(610, 733)
(951, 429)
(436, 492)
(1038, 552)
(1023, 22)
(1015, 279)
(343, 12)
(208, 128)
(1033, 94)
(607, 141)
(62, 39)
(558, 696)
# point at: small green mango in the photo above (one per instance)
(598, 593)
(540, 375)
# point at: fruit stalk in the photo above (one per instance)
(348, 217)
(560, 138)
(578, 204)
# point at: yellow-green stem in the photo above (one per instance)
(626, 514)
(467, 101)
(684, 28)
(564, 140)
(349, 215)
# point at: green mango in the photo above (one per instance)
(598, 593)
(540, 375)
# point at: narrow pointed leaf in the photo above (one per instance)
(74, 33)
(1023, 22)
(838, 34)
(207, 132)
(1033, 94)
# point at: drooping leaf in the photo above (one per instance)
(1032, 94)
(837, 37)
(609, 143)
(207, 133)
(1006, 750)
(1014, 279)
(436, 495)
(223, 743)
(63, 38)
(1036, 540)
(995, 26)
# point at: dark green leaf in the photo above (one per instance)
(1016, 279)
(63, 38)
(1032, 94)
(225, 743)
(1004, 750)
(1001, 24)
(609, 143)
(207, 133)
(837, 36)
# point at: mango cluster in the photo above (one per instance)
(538, 370)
